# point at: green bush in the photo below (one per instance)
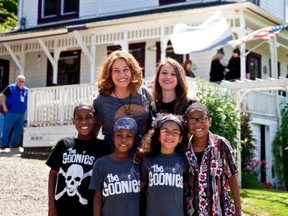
(279, 148)
(222, 108)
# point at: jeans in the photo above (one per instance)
(13, 127)
(1, 124)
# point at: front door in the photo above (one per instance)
(4, 73)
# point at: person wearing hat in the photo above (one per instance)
(217, 69)
(115, 178)
(164, 172)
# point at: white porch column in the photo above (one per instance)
(55, 65)
(274, 57)
(124, 45)
(53, 61)
(164, 40)
(93, 63)
(91, 56)
(241, 34)
(18, 61)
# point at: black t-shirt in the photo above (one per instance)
(199, 156)
(169, 107)
(74, 160)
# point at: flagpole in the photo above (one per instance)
(254, 48)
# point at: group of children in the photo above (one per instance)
(184, 170)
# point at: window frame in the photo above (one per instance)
(167, 2)
(59, 16)
(66, 54)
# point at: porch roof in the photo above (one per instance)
(63, 28)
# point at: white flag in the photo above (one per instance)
(213, 33)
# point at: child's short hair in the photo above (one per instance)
(83, 105)
(126, 123)
(196, 107)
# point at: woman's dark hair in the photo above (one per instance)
(181, 88)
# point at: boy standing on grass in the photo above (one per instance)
(71, 163)
(115, 178)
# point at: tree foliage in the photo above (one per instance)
(8, 14)
(222, 108)
(279, 148)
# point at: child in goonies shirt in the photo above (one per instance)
(116, 179)
(71, 163)
(165, 169)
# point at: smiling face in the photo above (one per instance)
(169, 137)
(168, 77)
(198, 123)
(123, 140)
(20, 81)
(84, 122)
(121, 74)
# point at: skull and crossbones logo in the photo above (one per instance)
(73, 179)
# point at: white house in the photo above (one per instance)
(59, 45)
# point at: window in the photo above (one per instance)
(170, 53)
(68, 69)
(253, 66)
(57, 10)
(256, 2)
(4, 73)
(166, 2)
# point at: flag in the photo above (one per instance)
(213, 33)
(265, 33)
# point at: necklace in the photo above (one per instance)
(127, 111)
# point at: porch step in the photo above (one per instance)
(41, 153)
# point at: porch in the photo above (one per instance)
(50, 109)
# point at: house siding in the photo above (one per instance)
(30, 12)
(276, 8)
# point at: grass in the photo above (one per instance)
(264, 202)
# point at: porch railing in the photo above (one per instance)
(54, 105)
(50, 106)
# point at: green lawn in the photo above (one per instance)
(262, 202)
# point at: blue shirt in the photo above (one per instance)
(16, 99)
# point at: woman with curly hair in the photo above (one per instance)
(121, 94)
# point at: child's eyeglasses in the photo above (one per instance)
(194, 120)
(167, 132)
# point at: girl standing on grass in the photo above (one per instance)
(165, 170)
(116, 179)
(71, 163)
(212, 165)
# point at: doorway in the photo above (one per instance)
(4, 74)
